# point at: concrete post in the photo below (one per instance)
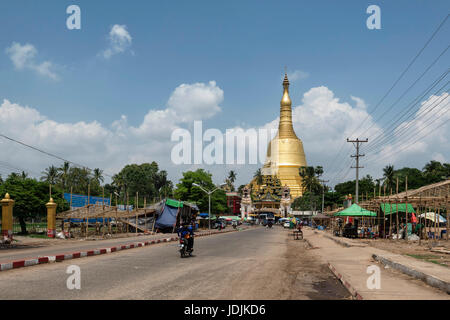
(51, 218)
(7, 217)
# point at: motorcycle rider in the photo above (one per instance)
(186, 231)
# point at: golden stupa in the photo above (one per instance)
(285, 153)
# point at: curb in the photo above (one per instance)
(428, 279)
(340, 242)
(310, 245)
(89, 253)
(346, 284)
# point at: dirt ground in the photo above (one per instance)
(413, 249)
(308, 276)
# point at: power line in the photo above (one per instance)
(418, 115)
(357, 167)
(388, 154)
(417, 98)
(393, 86)
(409, 88)
(48, 153)
(410, 107)
(407, 134)
(407, 68)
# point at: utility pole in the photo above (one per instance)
(323, 191)
(357, 143)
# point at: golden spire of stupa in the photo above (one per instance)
(285, 129)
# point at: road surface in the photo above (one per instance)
(258, 263)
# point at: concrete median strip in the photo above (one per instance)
(80, 254)
(429, 279)
(346, 284)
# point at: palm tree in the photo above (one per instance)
(13, 175)
(318, 171)
(231, 179)
(388, 174)
(24, 175)
(432, 167)
(232, 176)
(309, 179)
(259, 177)
(98, 175)
(63, 172)
(50, 174)
(118, 180)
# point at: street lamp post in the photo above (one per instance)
(209, 200)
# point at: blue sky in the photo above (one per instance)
(241, 45)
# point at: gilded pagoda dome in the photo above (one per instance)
(285, 154)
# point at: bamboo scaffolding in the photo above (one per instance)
(406, 215)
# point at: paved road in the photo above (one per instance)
(54, 247)
(254, 264)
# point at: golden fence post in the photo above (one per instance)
(51, 218)
(7, 216)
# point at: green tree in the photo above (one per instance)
(146, 179)
(98, 176)
(259, 177)
(230, 180)
(24, 175)
(366, 186)
(30, 197)
(50, 175)
(310, 181)
(241, 187)
(63, 172)
(308, 201)
(389, 177)
(187, 192)
(416, 179)
(434, 171)
(79, 179)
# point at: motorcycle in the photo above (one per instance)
(184, 247)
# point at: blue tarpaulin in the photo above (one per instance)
(79, 200)
(91, 220)
(167, 218)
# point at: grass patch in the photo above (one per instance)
(429, 258)
(40, 236)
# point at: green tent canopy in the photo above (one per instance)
(392, 208)
(355, 211)
(174, 203)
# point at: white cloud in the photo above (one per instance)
(23, 57)
(107, 147)
(428, 127)
(297, 75)
(119, 41)
(196, 101)
(322, 121)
